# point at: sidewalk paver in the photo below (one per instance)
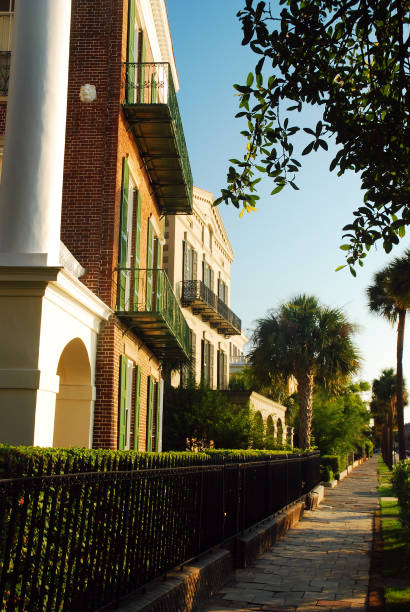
(321, 564)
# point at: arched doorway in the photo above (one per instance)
(72, 420)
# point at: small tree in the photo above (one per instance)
(341, 422)
(306, 340)
(195, 417)
(389, 296)
(257, 431)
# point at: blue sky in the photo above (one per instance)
(291, 245)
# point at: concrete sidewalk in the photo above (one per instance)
(321, 564)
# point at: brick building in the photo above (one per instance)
(125, 167)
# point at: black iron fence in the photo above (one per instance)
(80, 541)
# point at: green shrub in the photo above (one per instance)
(326, 473)
(196, 416)
(332, 462)
(401, 485)
(368, 447)
(250, 454)
(16, 461)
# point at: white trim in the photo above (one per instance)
(157, 28)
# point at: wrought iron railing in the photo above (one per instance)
(152, 83)
(81, 541)
(197, 290)
(5, 57)
(149, 290)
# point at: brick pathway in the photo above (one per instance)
(321, 564)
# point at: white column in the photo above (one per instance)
(31, 186)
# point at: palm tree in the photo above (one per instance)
(389, 296)
(306, 340)
(383, 409)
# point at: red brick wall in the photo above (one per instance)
(3, 113)
(111, 345)
(97, 140)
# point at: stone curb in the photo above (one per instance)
(183, 590)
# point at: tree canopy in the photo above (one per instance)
(389, 296)
(341, 422)
(309, 341)
(350, 59)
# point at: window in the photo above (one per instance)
(125, 403)
(222, 363)
(207, 276)
(222, 291)
(6, 39)
(154, 265)
(189, 262)
(188, 371)
(153, 415)
(129, 248)
(207, 363)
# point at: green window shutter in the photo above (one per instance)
(150, 412)
(159, 277)
(211, 365)
(123, 247)
(150, 261)
(202, 360)
(130, 53)
(194, 265)
(141, 60)
(184, 261)
(158, 424)
(153, 89)
(122, 426)
(137, 248)
(137, 406)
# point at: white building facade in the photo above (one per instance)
(198, 258)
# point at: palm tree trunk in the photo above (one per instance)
(305, 393)
(399, 384)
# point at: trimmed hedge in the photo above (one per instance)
(17, 461)
(401, 485)
(334, 463)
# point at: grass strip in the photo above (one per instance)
(396, 558)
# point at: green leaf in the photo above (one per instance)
(308, 149)
(249, 80)
(278, 189)
(352, 271)
(402, 231)
(340, 267)
(293, 185)
(345, 247)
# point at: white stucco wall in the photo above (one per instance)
(218, 255)
(44, 310)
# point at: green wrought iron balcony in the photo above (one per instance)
(203, 301)
(151, 108)
(147, 304)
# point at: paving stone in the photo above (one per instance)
(322, 563)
